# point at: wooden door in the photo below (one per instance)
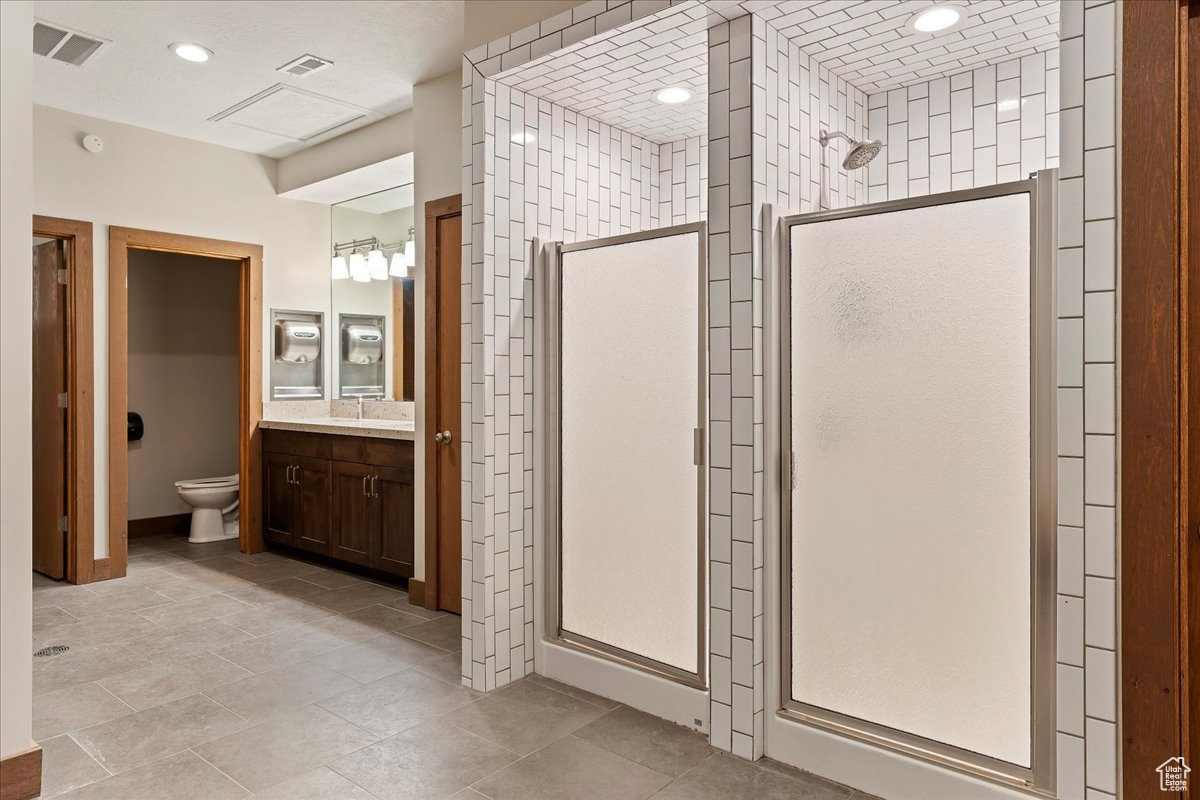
(279, 499)
(392, 549)
(312, 484)
(353, 513)
(49, 415)
(443, 496)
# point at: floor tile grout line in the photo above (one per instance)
(192, 750)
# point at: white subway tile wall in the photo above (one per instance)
(1087, 324)
(578, 179)
(767, 103)
(993, 124)
(971, 128)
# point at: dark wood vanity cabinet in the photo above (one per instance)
(346, 497)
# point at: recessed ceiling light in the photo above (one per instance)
(191, 52)
(673, 94)
(523, 137)
(937, 19)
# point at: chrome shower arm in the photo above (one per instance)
(826, 136)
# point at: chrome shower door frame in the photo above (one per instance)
(1040, 777)
(552, 461)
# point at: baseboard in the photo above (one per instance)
(416, 592)
(21, 775)
(101, 569)
(157, 526)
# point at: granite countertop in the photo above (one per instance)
(375, 428)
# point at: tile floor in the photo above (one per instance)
(206, 673)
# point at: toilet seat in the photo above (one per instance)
(227, 482)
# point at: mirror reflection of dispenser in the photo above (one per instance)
(362, 371)
(296, 369)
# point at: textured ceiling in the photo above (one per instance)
(866, 41)
(613, 77)
(380, 48)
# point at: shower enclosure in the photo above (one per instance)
(916, 500)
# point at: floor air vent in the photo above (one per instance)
(52, 650)
(61, 44)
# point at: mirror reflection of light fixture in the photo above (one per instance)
(377, 265)
(359, 270)
(399, 268)
(341, 271)
(410, 249)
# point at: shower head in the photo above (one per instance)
(860, 153)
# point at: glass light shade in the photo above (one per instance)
(410, 253)
(340, 270)
(359, 270)
(377, 265)
(399, 267)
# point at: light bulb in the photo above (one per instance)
(410, 253)
(399, 267)
(936, 18)
(377, 265)
(189, 51)
(672, 95)
(340, 270)
(359, 270)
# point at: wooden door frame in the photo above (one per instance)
(249, 256)
(1160, 415)
(76, 236)
(426, 592)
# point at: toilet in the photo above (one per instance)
(214, 503)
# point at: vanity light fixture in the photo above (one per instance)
(189, 51)
(940, 18)
(399, 268)
(673, 95)
(359, 270)
(523, 137)
(377, 265)
(340, 270)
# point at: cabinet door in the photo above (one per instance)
(279, 498)
(353, 513)
(313, 507)
(392, 549)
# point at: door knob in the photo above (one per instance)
(443, 437)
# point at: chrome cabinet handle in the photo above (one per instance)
(291, 478)
(373, 492)
(443, 437)
(296, 474)
(365, 479)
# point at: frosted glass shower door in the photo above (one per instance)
(630, 402)
(910, 424)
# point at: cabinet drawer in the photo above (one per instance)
(296, 443)
(365, 450)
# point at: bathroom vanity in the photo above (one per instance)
(340, 490)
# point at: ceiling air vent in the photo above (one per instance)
(305, 65)
(61, 44)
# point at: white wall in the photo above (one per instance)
(183, 375)
(16, 324)
(437, 169)
(151, 180)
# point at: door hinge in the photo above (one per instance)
(62, 524)
(62, 277)
(62, 399)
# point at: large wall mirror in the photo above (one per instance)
(371, 326)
